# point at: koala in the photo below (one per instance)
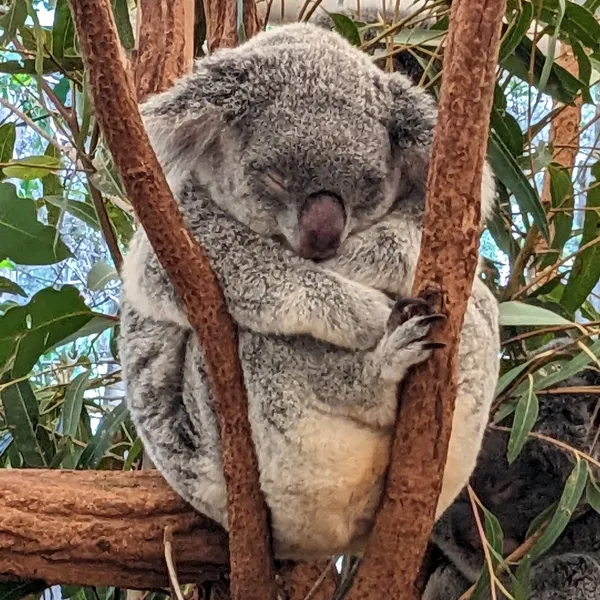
(516, 494)
(300, 168)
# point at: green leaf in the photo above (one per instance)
(526, 415)
(585, 274)
(23, 238)
(21, 414)
(518, 314)
(49, 65)
(82, 210)
(100, 275)
(569, 368)
(27, 332)
(13, 20)
(516, 33)
(346, 27)
(32, 167)
(562, 197)
(63, 30)
(73, 404)
(583, 61)
(121, 14)
(103, 437)
(568, 502)
(10, 287)
(509, 377)
(592, 494)
(509, 131)
(133, 454)
(97, 324)
(508, 171)
(8, 135)
(21, 589)
(549, 62)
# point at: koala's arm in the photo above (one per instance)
(268, 289)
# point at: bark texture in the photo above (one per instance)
(165, 44)
(102, 528)
(189, 269)
(222, 22)
(447, 263)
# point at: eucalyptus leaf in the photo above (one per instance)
(526, 414)
(31, 167)
(21, 413)
(567, 504)
(508, 171)
(21, 589)
(27, 332)
(100, 275)
(592, 494)
(73, 403)
(10, 287)
(103, 437)
(346, 27)
(23, 238)
(519, 314)
(8, 136)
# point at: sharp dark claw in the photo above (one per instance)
(437, 318)
(408, 302)
(434, 345)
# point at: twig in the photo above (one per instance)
(106, 226)
(169, 559)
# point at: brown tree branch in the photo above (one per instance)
(165, 44)
(189, 270)
(102, 528)
(221, 22)
(448, 259)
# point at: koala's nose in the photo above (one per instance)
(322, 222)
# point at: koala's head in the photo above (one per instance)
(517, 493)
(297, 135)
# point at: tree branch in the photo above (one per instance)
(102, 528)
(222, 22)
(189, 270)
(448, 260)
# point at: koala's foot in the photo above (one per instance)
(405, 344)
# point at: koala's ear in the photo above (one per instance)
(183, 122)
(412, 118)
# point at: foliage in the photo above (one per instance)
(64, 222)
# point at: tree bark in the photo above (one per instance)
(165, 44)
(447, 262)
(102, 528)
(221, 22)
(189, 269)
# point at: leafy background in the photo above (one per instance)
(65, 222)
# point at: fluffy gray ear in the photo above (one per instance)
(412, 118)
(414, 114)
(186, 120)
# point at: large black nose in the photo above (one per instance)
(322, 222)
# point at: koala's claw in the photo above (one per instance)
(435, 318)
(409, 308)
(434, 345)
(405, 346)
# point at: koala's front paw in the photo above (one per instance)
(405, 344)
(369, 313)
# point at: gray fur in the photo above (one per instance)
(300, 105)
(518, 493)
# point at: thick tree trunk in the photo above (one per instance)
(165, 44)
(447, 262)
(189, 269)
(102, 528)
(222, 22)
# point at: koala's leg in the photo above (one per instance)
(168, 398)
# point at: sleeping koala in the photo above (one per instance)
(516, 494)
(300, 168)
